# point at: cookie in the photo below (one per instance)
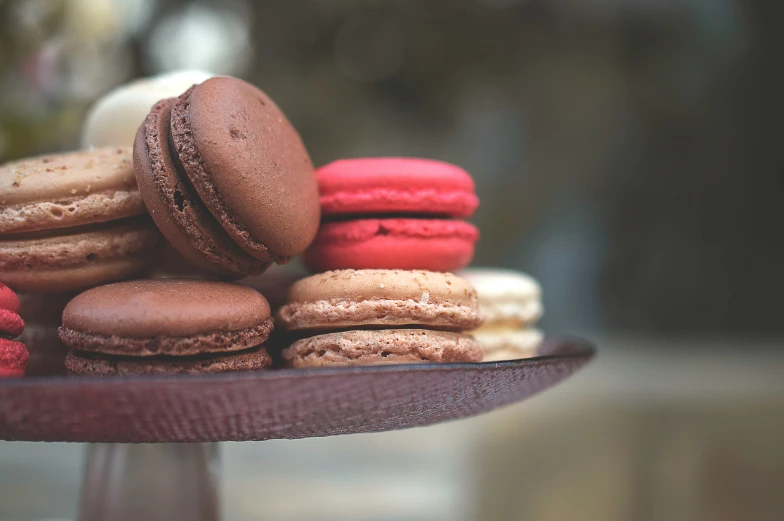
(227, 178)
(394, 213)
(71, 189)
(8, 299)
(175, 317)
(382, 346)
(11, 324)
(115, 117)
(356, 317)
(511, 304)
(396, 185)
(428, 244)
(71, 221)
(13, 358)
(380, 298)
(82, 363)
(78, 258)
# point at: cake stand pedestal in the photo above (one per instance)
(177, 481)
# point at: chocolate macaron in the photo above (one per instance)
(165, 326)
(360, 317)
(227, 178)
(71, 221)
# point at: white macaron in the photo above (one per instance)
(511, 304)
(114, 119)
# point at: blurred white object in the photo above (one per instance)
(114, 119)
(511, 304)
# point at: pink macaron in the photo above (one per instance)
(394, 213)
(396, 185)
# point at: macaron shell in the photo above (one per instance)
(249, 166)
(8, 299)
(78, 260)
(13, 356)
(177, 210)
(503, 339)
(382, 346)
(76, 277)
(165, 307)
(507, 298)
(11, 323)
(66, 190)
(348, 298)
(396, 184)
(430, 244)
(87, 364)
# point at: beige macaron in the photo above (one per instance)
(71, 221)
(511, 304)
(356, 317)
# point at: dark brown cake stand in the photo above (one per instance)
(113, 412)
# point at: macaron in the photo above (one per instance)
(396, 185)
(71, 221)
(511, 304)
(114, 118)
(175, 317)
(227, 178)
(11, 324)
(13, 358)
(13, 355)
(361, 317)
(394, 213)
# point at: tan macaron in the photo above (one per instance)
(74, 220)
(358, 317)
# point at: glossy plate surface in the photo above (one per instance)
(273, 404)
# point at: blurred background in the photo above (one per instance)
(626, 154)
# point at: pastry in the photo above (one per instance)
(360, 317)
(394, 213)
(172, 323)
(227, 178)
(71, 221)
(511, 304)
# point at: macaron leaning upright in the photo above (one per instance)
(394, 213)
(166, 326)
(227, 178)
(368, 317)
(511, 304)
(71, 221)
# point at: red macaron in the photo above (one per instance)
(394, 213)
(11, 324)
(13, 358)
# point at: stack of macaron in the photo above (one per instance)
(220, 179)
(394, 213)
(390, 235)
(13, 354)
(363, 317)
(511, 304)
(72, 221)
